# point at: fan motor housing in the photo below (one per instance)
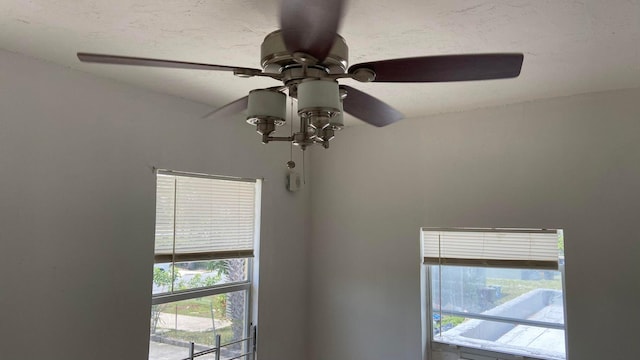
(274, 55)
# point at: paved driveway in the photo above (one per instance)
(161, 351)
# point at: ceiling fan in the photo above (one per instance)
(309, 57)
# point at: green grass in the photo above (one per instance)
(512, 288)
(201, 337)
(453, 320)
(196, 307)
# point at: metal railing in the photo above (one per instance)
(251, 346)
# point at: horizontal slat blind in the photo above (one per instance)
(200, 218)
(501, 248)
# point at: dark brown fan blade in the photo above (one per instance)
(229, 109)
(369, 109)
(128, 60)
(310, 26)
(445, 68)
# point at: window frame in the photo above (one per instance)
(431, 346)
(249, 286)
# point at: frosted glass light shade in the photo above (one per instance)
(318, 95)
(337, 122)
(267, 104)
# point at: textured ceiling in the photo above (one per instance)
(570, 47)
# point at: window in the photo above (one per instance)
(205, 239)
(494, 293)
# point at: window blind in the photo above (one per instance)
(200, 218)
(493, 248)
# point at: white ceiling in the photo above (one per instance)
(570, 47)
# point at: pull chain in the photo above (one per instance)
(291, 127)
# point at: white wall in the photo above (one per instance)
(77, 205)
(77, 215)
(570, 163)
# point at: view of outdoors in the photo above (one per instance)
(527, 306)
(175, 324)
(197, 274)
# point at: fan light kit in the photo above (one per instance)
(309, 57)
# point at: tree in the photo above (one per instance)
(230, 305)
(161, 278)
(235, 271)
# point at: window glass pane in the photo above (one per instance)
(162, 275)
(502, 337)
(510, 293)
(198, 274)
(527, 306)
(174, 325)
